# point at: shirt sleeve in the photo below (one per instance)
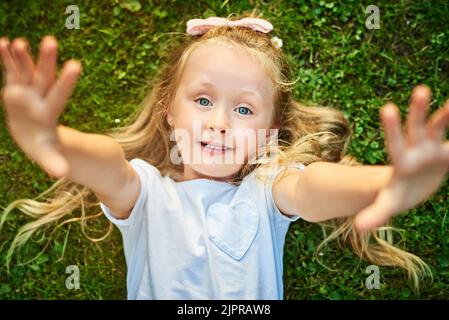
(279, 223)
(277, 214)
(147, 175)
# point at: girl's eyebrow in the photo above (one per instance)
(244, 91)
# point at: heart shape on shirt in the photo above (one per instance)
(232, 228)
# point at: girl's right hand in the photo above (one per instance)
(34, 100)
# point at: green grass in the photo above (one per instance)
(340, 63)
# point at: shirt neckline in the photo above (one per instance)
(201, 180)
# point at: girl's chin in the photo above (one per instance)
(218, 171)
(211, 159)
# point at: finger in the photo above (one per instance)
(63, 87)
(391, 121)
(9, 70)
(436, 128)
(377, 214)
(20, 51)
(46, 66)
(419, 101)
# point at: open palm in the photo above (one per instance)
(34, 99)
(420, 160)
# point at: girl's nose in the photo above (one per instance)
(218, 123)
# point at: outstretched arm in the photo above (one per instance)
(420, 161)
(326, 190)
(34, 98)
(98, 162)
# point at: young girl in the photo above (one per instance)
(209, 226)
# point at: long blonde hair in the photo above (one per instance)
(307, 134)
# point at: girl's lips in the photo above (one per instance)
(214, 149)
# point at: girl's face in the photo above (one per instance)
(222, 112)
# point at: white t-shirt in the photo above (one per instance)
(203, 239)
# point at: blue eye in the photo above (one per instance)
(241, 110)
(244, 110)
(203, 99)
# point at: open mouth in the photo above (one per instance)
(214, 148)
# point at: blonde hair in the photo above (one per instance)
(307, 134)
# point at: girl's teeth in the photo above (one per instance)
(215, 148)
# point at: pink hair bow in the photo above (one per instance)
(200, 26)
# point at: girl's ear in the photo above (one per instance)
(170, 119)
(273, 131)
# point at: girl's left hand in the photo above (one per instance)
(420, 161)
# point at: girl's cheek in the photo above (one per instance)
(188, 114)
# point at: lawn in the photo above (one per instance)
(340, 63)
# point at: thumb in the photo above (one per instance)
(377, 213)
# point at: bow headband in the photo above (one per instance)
(201, 26)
